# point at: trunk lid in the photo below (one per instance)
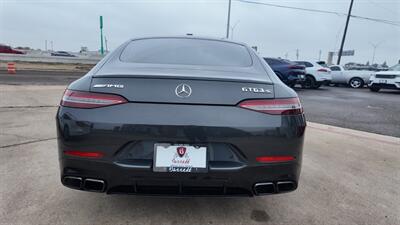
(182, 90)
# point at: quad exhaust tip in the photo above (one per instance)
(271, 188)
(94, 185)
(264, 188)
(285, 186)
(72, 182)
(87, 184)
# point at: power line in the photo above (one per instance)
(380, 6)
(390, 22)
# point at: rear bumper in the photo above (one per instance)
(111, 129)
(323, 77)
(119, 180)
(296, 76)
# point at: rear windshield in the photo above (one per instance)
(186, 52)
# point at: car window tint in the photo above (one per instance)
(307, 64)
(335, 68)
(186, 52)
(271, 61)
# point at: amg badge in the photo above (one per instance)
(108, 86)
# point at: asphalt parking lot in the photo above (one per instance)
(348, 177)
(358, 109)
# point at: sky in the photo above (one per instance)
(277, 32)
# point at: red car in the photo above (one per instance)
(9, 50)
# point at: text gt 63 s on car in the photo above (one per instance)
(181, 116)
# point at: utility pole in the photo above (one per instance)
(344, 33)
(229, 19)
(373, 53)
(319, 57)
(51, 44)
(101, 35)
(45, 45)
(297, 54)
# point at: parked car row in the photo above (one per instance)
(314, 74)
(307, 74)
(8, 50)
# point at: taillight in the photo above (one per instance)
(89, 100)
(296, 67)
(322, 70)
(270, 159)
(84, 154)
(286, 106)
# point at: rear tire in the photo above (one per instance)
(317, 85)
(356, 82)
(309, 82)
(374, 89)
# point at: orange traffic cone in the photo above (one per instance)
(11, 68)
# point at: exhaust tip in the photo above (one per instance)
(94, 185)
(285, 186)
(72, 182)
(264, 188)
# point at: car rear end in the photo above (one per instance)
(298, 71)
(133, 130)
(323, 74)
(290, 73)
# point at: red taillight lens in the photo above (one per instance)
(84, 154)
(269, 159)
(322, 70)
(287, 106)
(296, 67)
(89, 100)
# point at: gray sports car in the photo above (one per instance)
(181, 116)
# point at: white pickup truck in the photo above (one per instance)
(354, 78)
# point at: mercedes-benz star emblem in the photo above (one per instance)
(183, 90)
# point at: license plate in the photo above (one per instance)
(179, 158)
(383, 81)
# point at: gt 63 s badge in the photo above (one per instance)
(255, 90)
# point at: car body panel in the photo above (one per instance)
(126, 134)
(8, 50)
(62, 53)
(289, 72)
(342, 76)
(386, 79)
(312, 69)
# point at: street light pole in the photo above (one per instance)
(344, 33)
(229, 19)
(233, 28)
